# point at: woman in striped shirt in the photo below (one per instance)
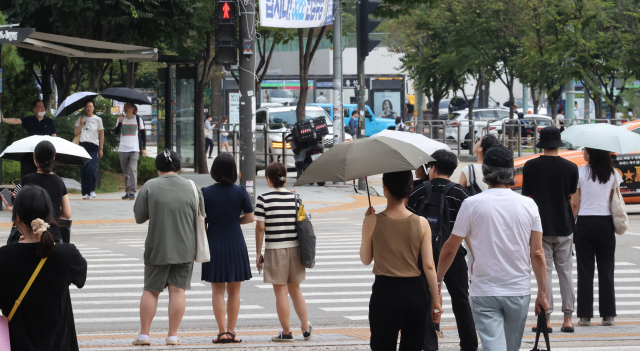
(275, 217)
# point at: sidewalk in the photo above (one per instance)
(343, 336)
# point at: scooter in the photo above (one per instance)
(306, 156)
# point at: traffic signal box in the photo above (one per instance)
(365, 26)
(226, 32)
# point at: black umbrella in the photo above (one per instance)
(126, 95)
(75, 102)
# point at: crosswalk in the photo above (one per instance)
(337, 290)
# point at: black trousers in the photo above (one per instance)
(397, 304)
(457, 282)
(208, 146)
(595, 240)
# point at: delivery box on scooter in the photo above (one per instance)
(307, 132)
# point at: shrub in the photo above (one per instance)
(146, 169)
(10, 171)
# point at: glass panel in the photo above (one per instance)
(327, 93)
(184, 113)
(161, 115)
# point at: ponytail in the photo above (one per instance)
(46, 245)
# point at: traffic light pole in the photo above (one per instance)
(362, 182)
(247, 66)
(338, 122)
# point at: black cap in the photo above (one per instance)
(550, 138)
(498, 156)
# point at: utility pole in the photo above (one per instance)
(525, 99)
(338, 121)
(247, 98)
(419, 100)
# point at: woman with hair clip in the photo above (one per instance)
(276, 223)
(43, 156)
(44, 318)
(169, 204)
(595, 237)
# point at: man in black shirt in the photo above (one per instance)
(550, 180)
(456, 279)
(37, 124)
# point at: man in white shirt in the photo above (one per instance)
(129, 127)
(321, 99)
(505, 231)
(576, 113)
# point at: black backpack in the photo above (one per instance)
(473, 188)
(435, 209)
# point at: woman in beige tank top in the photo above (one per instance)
(395, 238)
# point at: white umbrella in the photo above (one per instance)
(429, 146)
(75, 102)
(603, 136)
(67, 152)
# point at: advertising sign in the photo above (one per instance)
(628, 166)
(14, 35)
(296, 13)
(387, 104)
(234, 108)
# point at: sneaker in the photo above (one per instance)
(282, 338)
(173, 342)
(584, 322)
(307, 334)
(132, 197)
(607, 321)
(440, 334)
(93, 195)
(126, 197)
(86, 197)
(138, 342)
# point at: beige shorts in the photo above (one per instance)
(156, 278)
(283, 266)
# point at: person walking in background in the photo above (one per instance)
(353, 124)
(457, 280)
(129, 129)
(474, 171)
(208, 135)
(141, 133)
(276, 217)
(44, 155)
(91, 131)
(595, 238)
(169, 204)
(224, 203)
(550, 181)
(399, 124)
(394, 241)
(505, 232)
(44, 318)
(224, 133)
(38, 124)
(321, 99)
(576, 113)
(560, 117)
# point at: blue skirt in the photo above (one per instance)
(229, 259)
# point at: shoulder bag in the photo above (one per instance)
(542, 327)
(619, 212)
(5, 344)
(306, 235)
(473, 188)
(202, 244)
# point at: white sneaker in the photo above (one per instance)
(93, 195)
(86, 197)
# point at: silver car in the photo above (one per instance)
(274, 123)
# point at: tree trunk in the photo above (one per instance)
(305, 57)
(95, 68)
(199, 124)
(536, 100)
(512, 128)
(132, 73)
(435, 116)
(217, 109)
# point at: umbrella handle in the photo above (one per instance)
(366, 179)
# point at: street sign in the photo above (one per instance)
(14, 35)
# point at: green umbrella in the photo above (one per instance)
(362, 158)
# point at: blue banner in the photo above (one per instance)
(296, 13)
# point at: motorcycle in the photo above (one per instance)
(306, 156)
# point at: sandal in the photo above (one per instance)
(220, 341)
(232, 340)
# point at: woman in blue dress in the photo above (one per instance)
(229, 266)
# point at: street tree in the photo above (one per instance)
(306, 50)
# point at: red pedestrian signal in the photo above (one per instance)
(226, 9)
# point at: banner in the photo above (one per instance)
(234, 108)
(14, 35)
(296, 13)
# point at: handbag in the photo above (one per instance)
(202, 244)
(306, 235)
(5, 344)
(65, 229)
(473, 188)
(542, 326)
(619, 212)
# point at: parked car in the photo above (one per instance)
(530, 123)
(448, 106)
(541, 109)
(626, 165)
(281, 95)
(484, 121)
(374, 124)
(278, 121)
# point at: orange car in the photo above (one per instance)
(627, 165)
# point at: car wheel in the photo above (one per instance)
(322, 183)
(466, 144)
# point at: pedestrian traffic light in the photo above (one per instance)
(226, 32)
(365, 26)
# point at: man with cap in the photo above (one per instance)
(505, 231)
(550, 181)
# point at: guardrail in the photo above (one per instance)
(268, 150)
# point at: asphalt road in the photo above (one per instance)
(337, 290)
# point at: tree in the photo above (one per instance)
(306, 52)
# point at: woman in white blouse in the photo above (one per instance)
(594, 238)
(91, 131)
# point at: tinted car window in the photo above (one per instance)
(289, 117)
(502, 114)
(488, 115)
(261, 117)
(454, 115)
(637, 130)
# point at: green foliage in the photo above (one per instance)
(10, 171)
(110, 183)
(146, 169)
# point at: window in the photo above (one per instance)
(637, 130)
(503, 114)
(289, 117)
(346, 113)
(261, 117)
(488, 115)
